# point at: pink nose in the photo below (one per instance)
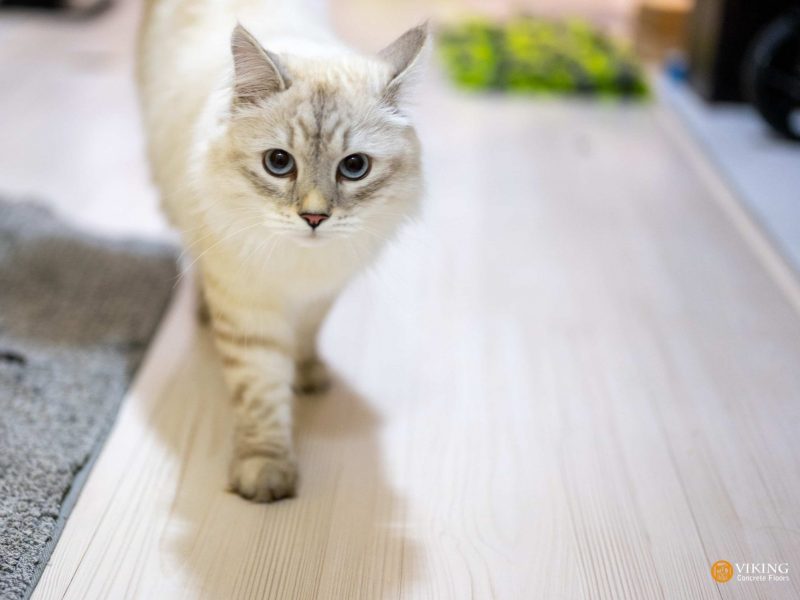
(314, 219)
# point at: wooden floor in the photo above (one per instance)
(577, 377)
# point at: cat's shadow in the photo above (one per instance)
(337, 538)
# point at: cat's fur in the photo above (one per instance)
(216, 95)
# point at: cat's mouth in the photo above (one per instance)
(311, 239)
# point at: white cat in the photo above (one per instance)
(286, 160)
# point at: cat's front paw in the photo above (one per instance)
(312, 377)
(262, 478)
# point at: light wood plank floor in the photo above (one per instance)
(577, 377)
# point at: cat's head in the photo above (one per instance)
(322, 149)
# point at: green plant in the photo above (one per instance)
(528, 54)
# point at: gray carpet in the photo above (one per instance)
(76, 315)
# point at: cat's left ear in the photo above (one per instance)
(404, 56)
(258, 73)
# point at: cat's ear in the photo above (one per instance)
(403, 56)
(258, 72)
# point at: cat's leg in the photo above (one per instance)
(311, 374)
(258, 364)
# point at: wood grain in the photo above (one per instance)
(576, 377)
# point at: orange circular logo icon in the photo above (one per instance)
(722, 571)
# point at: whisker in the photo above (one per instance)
(227, 237)
(190, 245)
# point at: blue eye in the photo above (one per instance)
(278, 162)
(355, 166)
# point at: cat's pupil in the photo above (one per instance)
(354, 163)
(280, 159)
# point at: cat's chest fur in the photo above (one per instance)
(286, 278)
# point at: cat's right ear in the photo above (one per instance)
(403, 57)
(258, 72)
